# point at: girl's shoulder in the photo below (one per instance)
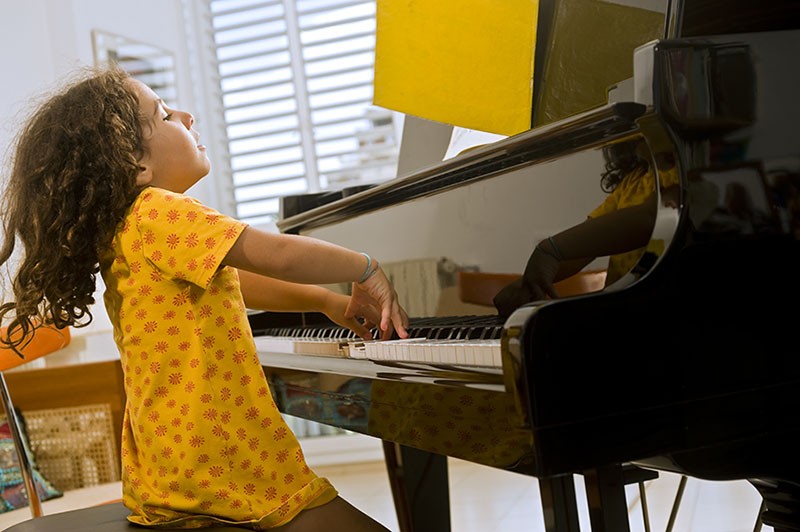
(152, 195)
(153, 198)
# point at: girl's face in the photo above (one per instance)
(174, 160)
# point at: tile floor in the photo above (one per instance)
(489, 500)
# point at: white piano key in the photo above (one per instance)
(430, 354)
(274, 344)
(469, 354)
(494, 353)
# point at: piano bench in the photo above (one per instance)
(104, 518)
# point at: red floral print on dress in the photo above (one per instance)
(191, 240)
(234, 333)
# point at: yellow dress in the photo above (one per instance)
(634, 189)
(203, 443)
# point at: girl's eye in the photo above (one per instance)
(168, 117)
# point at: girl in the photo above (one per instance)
(97, 186)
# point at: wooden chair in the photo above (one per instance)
(45, 341)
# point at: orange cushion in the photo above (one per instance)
(45, 340)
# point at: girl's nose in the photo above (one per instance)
(188, 120)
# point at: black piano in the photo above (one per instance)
(685, 364)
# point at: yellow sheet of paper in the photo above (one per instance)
(463, 62)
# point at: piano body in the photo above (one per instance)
(685, 364)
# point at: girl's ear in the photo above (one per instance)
(144, 177)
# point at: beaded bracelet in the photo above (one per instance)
(557, 251)
(373, 272)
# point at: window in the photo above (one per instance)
(296, 88)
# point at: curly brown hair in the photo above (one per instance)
(621, 160)
(72, 178)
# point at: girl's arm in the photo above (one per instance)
(609, 234)
(616, 232)
(293, 258)
(299, 259)
(265, 293)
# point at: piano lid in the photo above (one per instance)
(589, 129)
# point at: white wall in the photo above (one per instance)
(43, 41)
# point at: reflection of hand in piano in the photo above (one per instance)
(621, 227)
(535, 285)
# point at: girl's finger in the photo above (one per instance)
(358, 328)
(370, 314)
(387, 334)
(400, 321)
(551, 290)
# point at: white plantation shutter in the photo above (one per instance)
(296, 88)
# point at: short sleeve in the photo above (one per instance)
(609, 205)
(183, 238)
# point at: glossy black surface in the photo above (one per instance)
(691, 365)
(534, 146)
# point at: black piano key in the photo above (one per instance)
(432, 328)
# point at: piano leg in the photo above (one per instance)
(605, 493)
(420, 490)
(558, 504)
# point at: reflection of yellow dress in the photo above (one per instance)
(634, 189)
(475, 425)
(203, 443)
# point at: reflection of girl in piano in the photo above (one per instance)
(621, 227)
(97, 185)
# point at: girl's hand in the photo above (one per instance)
(378, 293)
(535, 285)
(335, 307)
(540, 272)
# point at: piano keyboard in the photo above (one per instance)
(462, 340)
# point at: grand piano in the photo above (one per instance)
(685, 364)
